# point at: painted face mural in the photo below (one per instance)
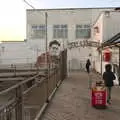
(54, 47)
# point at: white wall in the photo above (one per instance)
(77, 57)
(111, 25)
(98, 36)
(71, 17)
(16, 52)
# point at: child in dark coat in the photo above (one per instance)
(108, 77)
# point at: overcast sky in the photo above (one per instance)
(13, 18)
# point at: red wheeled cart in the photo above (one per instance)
(98, 96)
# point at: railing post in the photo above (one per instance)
(30, 66)
(19, 105)
(56, 77)
(15, 70)
(119, 65)
(8, 114)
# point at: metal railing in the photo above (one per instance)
(29, 96)
(27, 99)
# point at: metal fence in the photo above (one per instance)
(29, 96)
(27, 99)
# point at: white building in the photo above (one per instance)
(63, 25)
(16, 52)
(106, 26)
(66, 26)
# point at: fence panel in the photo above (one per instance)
(30, 95)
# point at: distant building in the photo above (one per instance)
(16, 52)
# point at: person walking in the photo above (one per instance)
(108, 77)
(88, 63)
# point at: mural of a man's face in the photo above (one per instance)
(54, 50)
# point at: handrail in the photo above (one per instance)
(39, 82)
(41, 85)
(17, 85)
(9, 103)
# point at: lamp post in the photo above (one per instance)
(46, 40)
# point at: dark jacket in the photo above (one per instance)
(88, 64)
(108, 78)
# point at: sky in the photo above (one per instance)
(13, 13)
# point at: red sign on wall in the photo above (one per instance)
(107, 55)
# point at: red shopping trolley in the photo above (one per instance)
(98, 95)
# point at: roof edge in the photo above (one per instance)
(71, 8)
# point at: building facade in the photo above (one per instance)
(106, 26)
(65, 26)
(16, 52)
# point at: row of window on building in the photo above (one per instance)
(61, 31)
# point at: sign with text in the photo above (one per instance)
(84, 43)
(98, 97)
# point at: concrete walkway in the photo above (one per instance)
(72, 101)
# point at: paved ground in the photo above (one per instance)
(72, 101)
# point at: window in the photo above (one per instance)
(96, 29)
(83, 31)
(38, 31)
(60, 31)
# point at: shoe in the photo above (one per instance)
(109, 102)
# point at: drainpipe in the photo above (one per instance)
(46, 39)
